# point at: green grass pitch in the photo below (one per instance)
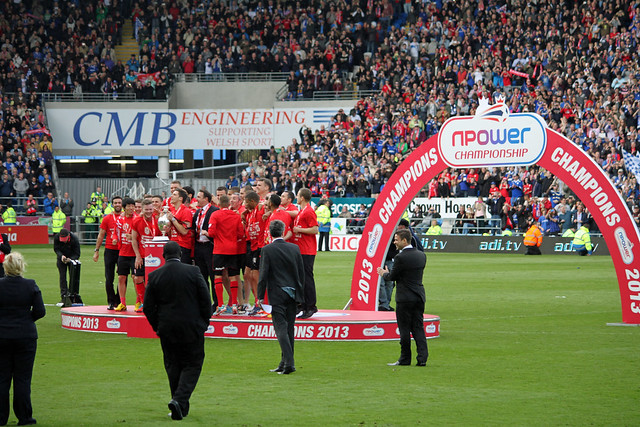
(523, 341)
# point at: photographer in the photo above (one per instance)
(67, 249)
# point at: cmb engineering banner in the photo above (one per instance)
(119, 131)
(495, 137)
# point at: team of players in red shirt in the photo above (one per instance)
(222, 234)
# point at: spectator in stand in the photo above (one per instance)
(469, 226)
(515, 187)
(20, 188)
(50, 203)
(553, 224)
(479, 214)
(496, 202)
(66, 204)
(34, 187)
(6, 189)
(31, 206)
(47, 184)
(565, 217)
(232, 181)
(458, 225)
(416, 216)
(345, 212)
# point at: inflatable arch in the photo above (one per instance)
(493, 137)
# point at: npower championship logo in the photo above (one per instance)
(492, 137)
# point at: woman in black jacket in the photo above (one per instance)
(20, 306)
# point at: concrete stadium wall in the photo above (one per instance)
(224, 95)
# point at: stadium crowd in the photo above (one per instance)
(574, 63)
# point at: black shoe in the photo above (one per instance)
(286, 371)
(27, 422)
(111, 307)
(176, 410)
(397, 363)
(309, 313)
(381, 308)
(421, 364)
(391, 308)
(278, 369)
(305, 315)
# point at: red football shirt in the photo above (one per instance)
(184, 216)
(126, 223)
(226, 229)
(291, 207)
(147, 230)
(283, 216)
(111, 225)
(256, 227)
(307, 242)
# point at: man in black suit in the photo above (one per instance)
(203, 247)
(178, 306)
(407, 271)
(282, 276)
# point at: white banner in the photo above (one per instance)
(447, 208)
(119, 131)
(344, 242)
(338, 226)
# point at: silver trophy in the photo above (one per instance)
(163, 220)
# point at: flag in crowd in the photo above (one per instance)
(632, 163)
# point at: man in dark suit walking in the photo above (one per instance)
(178, 306)
(282, 277)
(407, 271)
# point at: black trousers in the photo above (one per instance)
(409, 316)
(110, 262)
(533, 250)
(309, 283)
(324, 236)
(16, 364)
(62, 271)
(185, 255)
(203, 258)
(183, 363)
(284, 318)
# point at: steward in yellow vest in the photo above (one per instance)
(9, 216)
(435, 229)
(582, 241)
(58, 219)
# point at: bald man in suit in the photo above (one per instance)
(178, 306)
